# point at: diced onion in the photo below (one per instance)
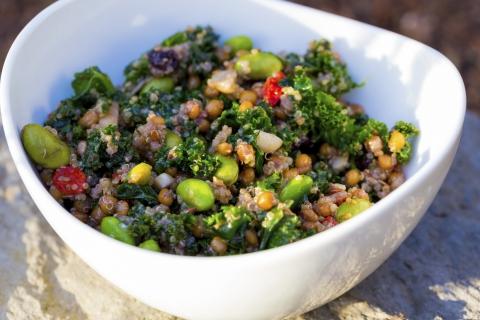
(268, 142)
(163, 180)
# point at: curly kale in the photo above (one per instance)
(144, 194)
(270, 221)
(92, 80)
(65, 120)
(191, 156)
(271, 182)
(322, 64)
(408, 130)
(322, 176)
(136, 70)
(287, 231)
(229, 221)
(202, 44)
(246, 123)
(171, 231)
(135, 111)
(96, 157)
(327, 120)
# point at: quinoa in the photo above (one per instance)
(206, 150)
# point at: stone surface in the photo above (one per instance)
(433, 275)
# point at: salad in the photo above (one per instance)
(217, 149)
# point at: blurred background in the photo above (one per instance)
(450, 26)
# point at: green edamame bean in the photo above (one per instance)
(296, 189)
(164, 84)
(240, 42)
(113, 228)
(258, 65)
(228, 170)
(44, 148)
(151, 245)
(351, 208)
(196, 193)
(172, 139)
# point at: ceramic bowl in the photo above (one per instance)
(404, 79)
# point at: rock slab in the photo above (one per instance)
(435, 274)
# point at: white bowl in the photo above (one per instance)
(404, 80)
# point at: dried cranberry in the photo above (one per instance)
(69, 180)
(162, 61)
(272, 91)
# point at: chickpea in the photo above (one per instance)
(225, 148)
(172, 171)
(214, 108)
(280, 114)
(289, 174)
(156, 120)
(81, 216)
(203, 125)
(265, 200)
(309, 215)
(325, 209)
(385, 162)
(247, 176)
(122, 208)
(97, 214)
(375, 145)
(193, 109)
(246, 154)
(210, 92)
(198, 229)
(303, 162)
(56, 194)
(107, 204)
(248, 95)
(244, 106)
(165, 197)
(219, 245)
(397, 141)
(353, 177)
(46, 176)
(251, 238)
(82, 206)
(89, 119)
(326, 150)
(193, 82)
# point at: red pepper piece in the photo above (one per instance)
(69, 180)
(272, 91)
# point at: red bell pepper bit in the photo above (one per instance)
(69, 180)
(330, 221)
(272, 91)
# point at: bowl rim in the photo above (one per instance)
(37, 191)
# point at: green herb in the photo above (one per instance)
(143, 193)
(92, 79)
(228, 221)
(287, 231)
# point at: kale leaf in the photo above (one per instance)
(327, 120)
(92, 79)
(145, 194)
(227, 222)
(324, 66)
(408, 130)
(190, 156)
(287, 231)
